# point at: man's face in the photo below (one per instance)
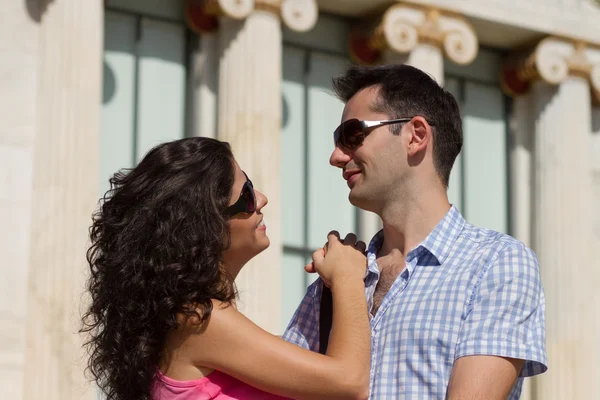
(374, 171)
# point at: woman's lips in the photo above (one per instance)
(261, 225)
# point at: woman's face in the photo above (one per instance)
(247, 230)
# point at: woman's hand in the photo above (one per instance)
(233, 344)
(339, 259)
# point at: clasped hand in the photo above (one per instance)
(339, 259)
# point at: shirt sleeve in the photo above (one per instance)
(505, 315)
(303, 329)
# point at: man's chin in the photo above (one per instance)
(365, 203)
(356, 199)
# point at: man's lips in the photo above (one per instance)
(348, 174)
(351, 177)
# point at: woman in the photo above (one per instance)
(167, 243)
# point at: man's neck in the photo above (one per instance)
(407, 222)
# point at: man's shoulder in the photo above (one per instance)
(489, 239)
(489, 246)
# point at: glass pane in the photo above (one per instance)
(293, 173)
(118, 97)
(161, 83)
(485, 68)
(455, 186)
(293, 165)
(328, 194)
(485, 157)
(330, 35)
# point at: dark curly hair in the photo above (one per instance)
(157, 242)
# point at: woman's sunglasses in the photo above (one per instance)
(352, 133)
(247, 201)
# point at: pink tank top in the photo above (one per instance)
(215, 386)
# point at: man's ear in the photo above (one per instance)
(421, 135)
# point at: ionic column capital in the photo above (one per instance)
(553, 60)
(404, 26)
(298, 15)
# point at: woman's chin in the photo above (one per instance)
(261, 245)
(265, 243)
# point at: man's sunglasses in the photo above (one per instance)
(247, 201)
(351, 133)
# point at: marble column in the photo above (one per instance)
(561, 77)
(19, 35)
(203, 85)
(65, 193)
(249, 118)
(562, 238)
(418, 36)
(595, 157)
(521, 180)
(203, 74)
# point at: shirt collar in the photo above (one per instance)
(438, 243)
(372, 251)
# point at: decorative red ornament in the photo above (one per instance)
(197, 18)
(361, 50)
(512, 84)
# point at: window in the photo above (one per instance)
(144, 91)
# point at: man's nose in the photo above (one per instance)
(339, 158)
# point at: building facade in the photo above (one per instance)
(89, 87)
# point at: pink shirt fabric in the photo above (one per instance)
(215, 386)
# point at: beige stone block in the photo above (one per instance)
(14, 246)
(11, 383)
(15, 174)
(18, 74)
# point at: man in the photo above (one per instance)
(457, 312)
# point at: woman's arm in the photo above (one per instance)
(233, 344)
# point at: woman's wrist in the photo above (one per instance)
(346, 281)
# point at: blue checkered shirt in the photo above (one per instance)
(465, 291)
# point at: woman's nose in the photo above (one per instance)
(261, 200)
